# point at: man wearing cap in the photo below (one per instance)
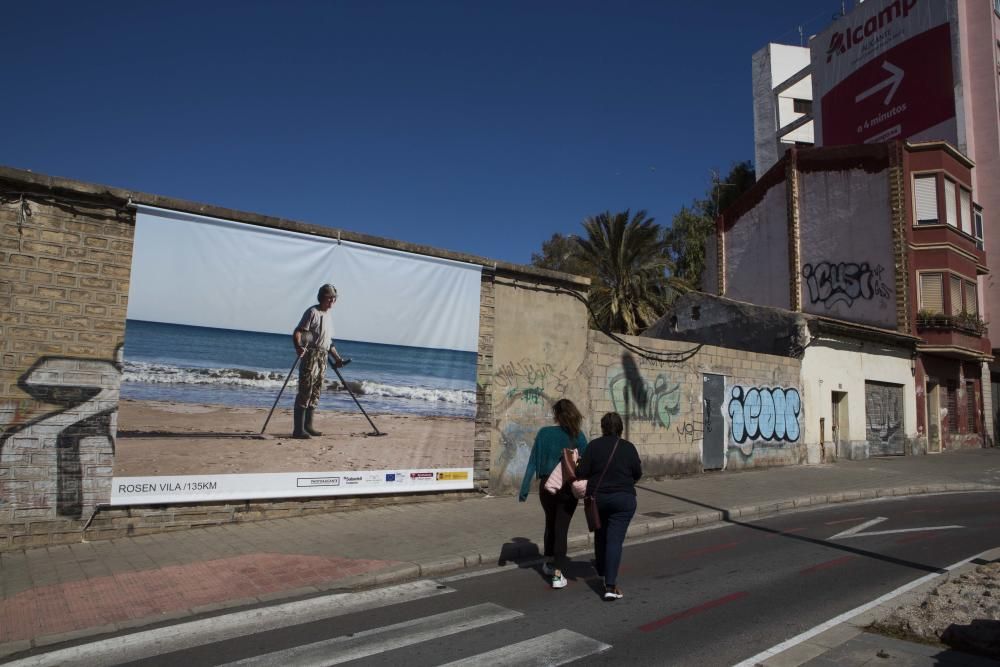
(313, 338)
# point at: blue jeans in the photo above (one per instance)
(616, 510)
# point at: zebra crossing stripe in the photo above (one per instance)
(555, 648)
(378, 640)
(149, 643)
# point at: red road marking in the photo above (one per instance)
(827, 564)
(711, 604)
(834, 523)
(708, 550)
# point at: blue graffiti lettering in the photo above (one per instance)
(762, 413)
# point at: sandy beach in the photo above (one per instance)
(161, 438)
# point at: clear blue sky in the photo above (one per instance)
(481, 127)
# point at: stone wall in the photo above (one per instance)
(64, 277)
(540, 356)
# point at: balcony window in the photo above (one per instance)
(932, 292)
(971, 299)
(950, 203)
(965, 210)
(978, 221)
(802, 106)
(925, 194)
(956, 296)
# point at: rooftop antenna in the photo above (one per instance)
(801, 38)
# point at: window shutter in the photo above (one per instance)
(965, 211)
(949, 203)
(971, 299)
(931, 292)
(925, 192)
(956, 295)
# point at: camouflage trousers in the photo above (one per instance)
(311, 373)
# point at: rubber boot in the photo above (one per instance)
(309, 422)
(300, 431)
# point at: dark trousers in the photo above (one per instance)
(559, 510)
(616, 510)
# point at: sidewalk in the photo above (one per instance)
(56, 594)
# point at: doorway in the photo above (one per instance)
(713, 443)
(839, 427)
(933, 398)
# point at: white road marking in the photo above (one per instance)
(847, 615)
(378, 640)
(148, 643)
(555, 648)
(901, 530)
(857, 530)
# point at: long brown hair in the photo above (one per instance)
(567, 416)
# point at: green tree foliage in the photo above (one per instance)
(693, 225)
(628, 260)
(562, 253)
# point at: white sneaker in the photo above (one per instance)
(548, 569)
(613, 593)
(558, 580)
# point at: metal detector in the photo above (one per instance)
(287, 378)
(333, 365)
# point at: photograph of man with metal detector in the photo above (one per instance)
(206, 410)
(313, 339)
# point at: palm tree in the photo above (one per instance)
(629, 261)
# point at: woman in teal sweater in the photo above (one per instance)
(559, 508)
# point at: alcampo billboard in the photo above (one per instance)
(885, 72)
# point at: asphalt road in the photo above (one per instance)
(710, 597)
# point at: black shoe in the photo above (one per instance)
(308, 425)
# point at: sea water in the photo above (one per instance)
(191, 364)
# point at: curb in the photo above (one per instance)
(406, 571)
(857, 624)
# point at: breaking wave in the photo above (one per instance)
(166, 374)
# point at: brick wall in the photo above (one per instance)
(64, 272)
(65, 260)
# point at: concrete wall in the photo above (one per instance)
(757, 253)
(661, 400)
(539, 356)
(847, 264)
(832, 364)
(771, 66)
(64, 272)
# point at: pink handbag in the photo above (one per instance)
(557, 479)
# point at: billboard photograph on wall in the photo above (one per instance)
(208, 349)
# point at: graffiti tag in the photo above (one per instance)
(528, 372)
(762, 413)
(688, 432)
(657, 402)
(78, 432)
(845, 282)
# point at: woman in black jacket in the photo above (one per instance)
(611, 467)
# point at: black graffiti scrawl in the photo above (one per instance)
(76, 434)
(845, 282)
